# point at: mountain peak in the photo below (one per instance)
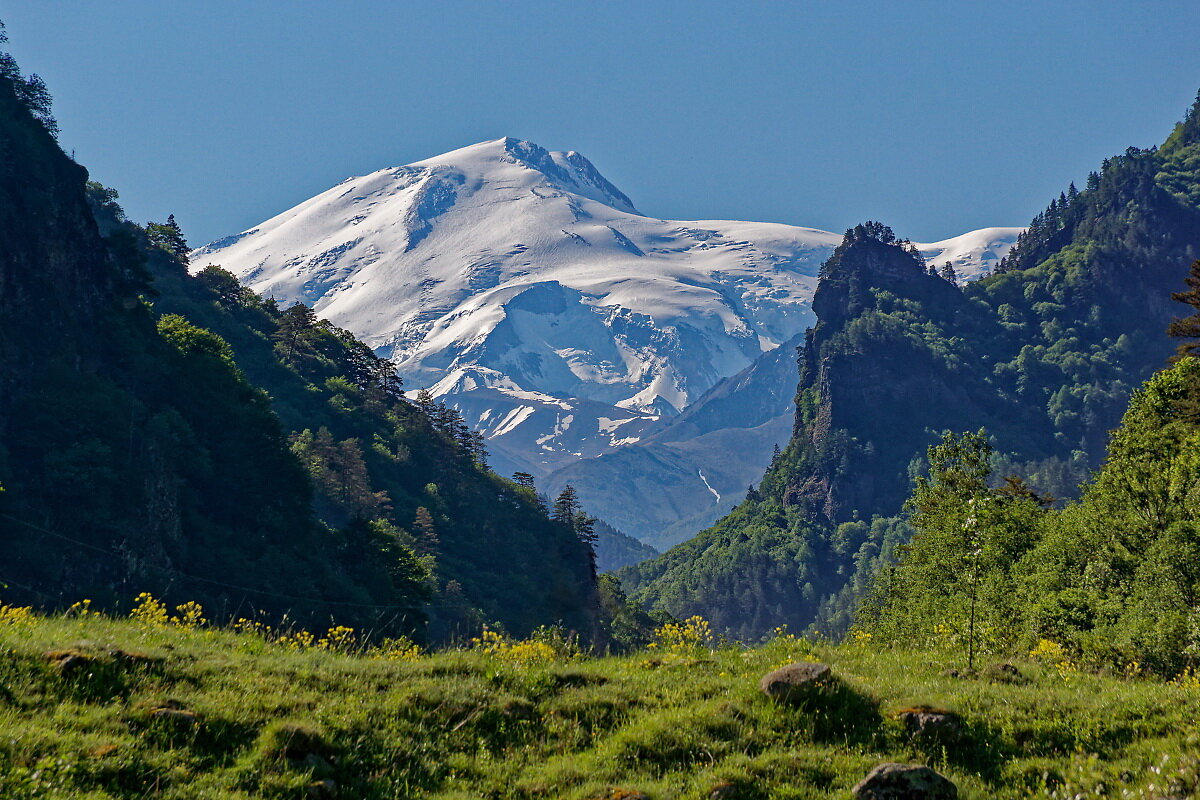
(568, 171)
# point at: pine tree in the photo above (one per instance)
(1188, 328)
(947, 272)
(339, 473)
(425, 403)
(566, 506)
(169, 236)
(296, 324)
(426, 532)
(585, 529)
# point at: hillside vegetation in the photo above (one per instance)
(1044, 354)
(181, 434)
(93, 707)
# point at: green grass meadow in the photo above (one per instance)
(96, 707)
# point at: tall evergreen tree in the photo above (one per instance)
(1188, 328)
(948, 273)
(169, 236)
(566, 506)
(426, 532)
(296, 324)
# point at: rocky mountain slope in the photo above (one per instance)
(526, 291)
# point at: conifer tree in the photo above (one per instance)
(948, 274)
(296, 324)
(566, 506)
(426, 532)
(1188, 328)
(169, 236)
(425, 403)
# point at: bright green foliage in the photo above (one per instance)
(1112, 580)
(1116, 577)
(956, 581)
(517, 720)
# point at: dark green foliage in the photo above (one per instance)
(614, 549)
(762, 566)
(169, 237)
(144, 441)
(625, 626)
(1044, 354)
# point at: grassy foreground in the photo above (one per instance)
(95, 707)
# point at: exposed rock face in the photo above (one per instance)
(904, 782)
(796, 684)
(851, 396)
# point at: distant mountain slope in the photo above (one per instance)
(696, 466)
(527, 292)
(1044, 354)
(615, 550)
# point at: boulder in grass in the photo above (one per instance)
(904, 782)
(925, 724)
(796, 683)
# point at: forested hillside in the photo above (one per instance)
(1111, 580)
(183, 436)
(1043, 354)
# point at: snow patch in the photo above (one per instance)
(708, 485)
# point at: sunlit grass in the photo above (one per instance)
(164, 705)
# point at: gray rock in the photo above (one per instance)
(931, 725)
(904, 782)
(796, 683)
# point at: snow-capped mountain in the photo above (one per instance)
(522, 287)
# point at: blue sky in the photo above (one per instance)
(936, 117)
